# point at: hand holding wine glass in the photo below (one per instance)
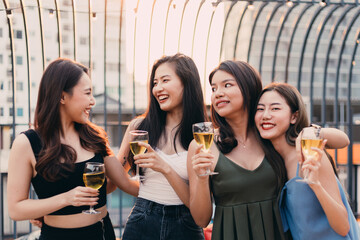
(204, 135)
(93, 177)
(310, 140)
(137, 136)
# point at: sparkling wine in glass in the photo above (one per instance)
(137, 136)
(311, 138)
(204, 135)
(93, 177)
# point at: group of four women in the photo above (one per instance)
(254, 153)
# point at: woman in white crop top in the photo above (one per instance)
(176, 102)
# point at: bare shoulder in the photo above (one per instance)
(21, 142)
(21, 147)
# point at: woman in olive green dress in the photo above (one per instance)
(250, 176)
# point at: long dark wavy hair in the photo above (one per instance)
(295, 102)
(192, 101)
(56, 160)
(249, 81)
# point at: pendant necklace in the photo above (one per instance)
(242, 143)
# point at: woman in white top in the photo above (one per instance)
(176, 102)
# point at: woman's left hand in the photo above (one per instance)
(151, 159)
(312, 165)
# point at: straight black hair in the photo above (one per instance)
(192, 101)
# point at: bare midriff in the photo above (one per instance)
(75, 220)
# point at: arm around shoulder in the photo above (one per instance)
(336, 138)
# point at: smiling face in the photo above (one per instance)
(78, 102)
(226, 97)
(168, 88)
(273, 116)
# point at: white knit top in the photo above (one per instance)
(155, 186)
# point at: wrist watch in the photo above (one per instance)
(317, 129)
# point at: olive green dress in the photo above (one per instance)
(246, 202)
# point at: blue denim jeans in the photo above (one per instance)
(149, 220)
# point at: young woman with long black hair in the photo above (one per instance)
(250, 176)
(318, 209)
(53, 155)
(176, 102)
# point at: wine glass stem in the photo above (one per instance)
(306, 174)
(137, 170)
(208, 171)
(91, 209)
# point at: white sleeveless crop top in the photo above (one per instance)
(156, 188)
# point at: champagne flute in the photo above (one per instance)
(137, 136)
(93, 177)
(204, 135)
(311, 138)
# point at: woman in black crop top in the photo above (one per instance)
(52, 157)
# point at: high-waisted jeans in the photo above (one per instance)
(149, 220)
(102, 230)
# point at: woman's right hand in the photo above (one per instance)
(81, 196)
(201, 161)
(151, 159)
